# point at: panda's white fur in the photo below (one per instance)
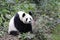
(23, 19)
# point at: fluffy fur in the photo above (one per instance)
(21, 22)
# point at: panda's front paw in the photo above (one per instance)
(14, 33)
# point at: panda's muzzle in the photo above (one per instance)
(29, 21)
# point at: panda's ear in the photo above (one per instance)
(30, 13)
(23, 15)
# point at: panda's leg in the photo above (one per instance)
(14, 33)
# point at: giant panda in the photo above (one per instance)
(20, 23)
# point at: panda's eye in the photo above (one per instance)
(26, 19)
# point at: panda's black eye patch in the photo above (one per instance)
(26, 19)
(23, 15)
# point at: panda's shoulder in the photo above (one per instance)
(17, 15)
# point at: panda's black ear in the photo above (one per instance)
(30, 13)
(23, 15)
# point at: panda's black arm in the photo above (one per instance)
(31, 28)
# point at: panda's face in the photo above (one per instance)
(26, 18)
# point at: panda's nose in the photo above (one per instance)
(29, 21)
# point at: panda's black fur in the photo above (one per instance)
(20, 26)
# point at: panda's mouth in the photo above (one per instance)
(27, 22)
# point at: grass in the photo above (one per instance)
(56, 33)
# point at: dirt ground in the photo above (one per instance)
(9, 37)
